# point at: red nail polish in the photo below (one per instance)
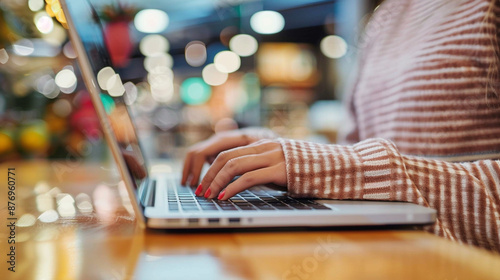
(221, 195)
(198, 190)
(207, 194)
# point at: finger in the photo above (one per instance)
(196, 167)
(221, 160)
(211, 159)
(234, 167)
(187, 167)
(209, 149)
(250, 179)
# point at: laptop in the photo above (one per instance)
(159, 201)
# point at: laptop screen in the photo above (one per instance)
(89, 29)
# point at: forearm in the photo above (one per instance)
(466, 196)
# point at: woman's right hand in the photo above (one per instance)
(207, 151)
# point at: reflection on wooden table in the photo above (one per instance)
(73, 223)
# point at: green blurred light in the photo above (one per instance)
(194, 91)
(108, 103)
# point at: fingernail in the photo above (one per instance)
(221, 195)
(207, 194)
(198, 190)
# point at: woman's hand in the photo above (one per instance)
(207, 150)
(259, 163)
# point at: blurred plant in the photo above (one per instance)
(118, 12)
(116, 31)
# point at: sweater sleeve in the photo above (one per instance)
(465, 195)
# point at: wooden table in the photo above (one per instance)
(102, 242)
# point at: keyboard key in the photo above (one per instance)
(247, 208)
(256, 199)
(300, 206)
(283, 207)
(252, 199)
(257, 203)
(189, 208)
(243, 204)
(266, 207)
(209, 207)
(222, 202)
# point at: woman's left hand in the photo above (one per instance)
(261, 162)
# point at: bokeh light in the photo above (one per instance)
(62, 108)
(227, 62)
(108, 103)
(43, 22)
(267, 22)
(4, 56)
(130, 95)
(65, 205)
(115, 86)
(34, 137)
(35, 5)
(84, 203)
(212, 76)
(151, 21)
(333, 46)
(195, 91)
(162, 86)
(196, 53)
(41, 187)
(26, 220)
(69, 51)
(23, 47)
(103, 77)
(6, 140)
(44, 202)
(158, 63)
(65, 79)
(244, 45)
(227, 33)
(57, 36)
(152, 45)
(46, 85)
(165, 118)
(145, 102)
(48, 216)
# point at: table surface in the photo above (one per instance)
(73, 222)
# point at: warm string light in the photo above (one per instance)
(53, 9)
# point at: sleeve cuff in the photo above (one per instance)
(366, 170)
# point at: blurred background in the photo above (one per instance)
(188, 69)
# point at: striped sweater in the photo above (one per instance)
(426, 119)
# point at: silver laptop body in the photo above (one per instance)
(160, 202)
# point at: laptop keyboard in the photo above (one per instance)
(180, 198)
